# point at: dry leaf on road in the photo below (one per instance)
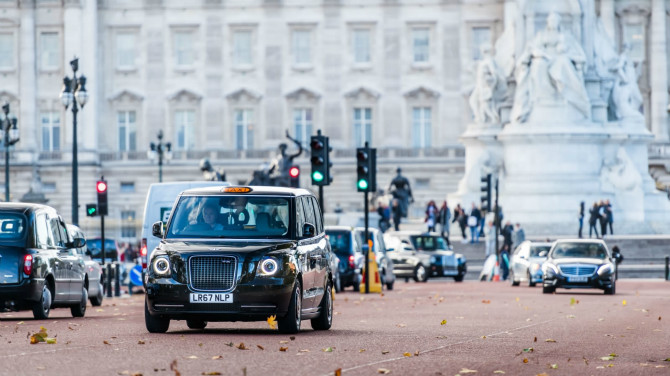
(407, 354)
(272, 321)
(383, 371)
(241, 346)
(549, 340)
(260, 347)
(338, 372)
(465, 370)
(283, 349)
(443, 322)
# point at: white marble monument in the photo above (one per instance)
(561, 125)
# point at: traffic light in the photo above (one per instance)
(366, 169)
(294, 176)
(320, 152)
(101, 188)
(486, 192)
(91, 210)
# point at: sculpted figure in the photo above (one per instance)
(490, 87)
(402, 191)
(282, 163)
(209, 173)
(626, 94)
(619, 173)
(551, 68)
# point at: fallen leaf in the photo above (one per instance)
(666, 360)
(571, 316)
(542, 374)
(230, 344)
(416, 353)
(140, 342)
(534, 339)
(292, 338)
(384, 352)
(272, 321)
(138, 374)
(173, 367)
(217, 357)
(211, 373)
(549, 340)
(486, 301)
(606, 358)
(51, 341)
(465, 370)
(283, 342)
(361, 350)
(443, 322)
(105, 342)
(401, 325)
(530, 349)
(383, 371)
(624, 302)
(499, 371)
(610, 365)
(100, 310)
(483, 337)
(19, 323)
(573, 301)
(338, 372)
(304, 350)
(553, 366)
(407, 354)
(525, 360)
(613, 355)
(260, 347)
(192, 357)
(330, 349)
(241, 346)
(200, 344)
(283, 348)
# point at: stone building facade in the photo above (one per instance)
(225, 79)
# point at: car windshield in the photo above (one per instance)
(587, 250)
(340, 242)
(12, 226)
(230, 216)
(428, 243)
(539, 250)
(93, 245)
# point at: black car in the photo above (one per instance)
(39, 266)
(579, 264)
(241, 254)
(345, 245)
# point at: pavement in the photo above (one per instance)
(437, 328)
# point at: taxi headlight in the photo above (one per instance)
(605, 269)
(161, 265)
(268, 266)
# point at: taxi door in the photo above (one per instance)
(306, 255)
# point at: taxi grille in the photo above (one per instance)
(212, 273)
(578, 270)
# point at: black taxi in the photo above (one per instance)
(241, 254)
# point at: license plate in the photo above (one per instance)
(211, 298)
(578, 279)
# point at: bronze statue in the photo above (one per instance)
(209, 173)
(402, 192)
(279, 171)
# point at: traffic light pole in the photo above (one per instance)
(367, 253)
(323, 210)
(497, 221)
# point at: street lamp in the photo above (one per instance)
(159, 149)
(74, 92)
(11, 137)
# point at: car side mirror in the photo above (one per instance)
(78, 242)
(157, 229)
(308, 230)
(88, 252)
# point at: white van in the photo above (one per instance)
(160, 199)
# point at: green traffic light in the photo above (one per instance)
(363, 184)
(317, 176)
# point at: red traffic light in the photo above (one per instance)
(294, 171)
(316, 144)
(101, 186)
(362, 156)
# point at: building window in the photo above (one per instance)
(633, 35)
(244, 129)
(242, 48)
(6, 50)
(50, 131)
(361, 45)
(183, 48)
(127, 131)
(50, 48)
(185, 126)
(302, 124)
(128, 224)
(127, 187)
(421, 127)
(302, 54)
(125, 50)
(421, 45)
(481, 37)
(362, 126)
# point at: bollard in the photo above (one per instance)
(108, 281)
(117, 284)
(667, 268)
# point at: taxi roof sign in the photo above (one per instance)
(236, 189)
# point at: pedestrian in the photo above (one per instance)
(482, 222)
(519, 235)
(396, 210)
(507, 231)
(473, 223)
(431, 215)
(443, 218)
(580, 216)
(610, 215)
(593, 219)
(384, 216)
(490, 233)
(602, 218)
(459, 217)
(504, 261)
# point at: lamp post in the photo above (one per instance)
(11, 137)
(74, 92)
(159, 149)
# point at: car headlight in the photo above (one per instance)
(534, 268)
(268, 266)
(161, 265)
(605, 269)
(549, 269)
(433, 259)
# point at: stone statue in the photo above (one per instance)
(209, 173)
(550, 69)
(619, 173)
(626, 95)
(279, 171)
(402, 191)
(490, 88)
(261, 176)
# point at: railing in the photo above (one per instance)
(659, 151)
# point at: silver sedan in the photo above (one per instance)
(526, 262)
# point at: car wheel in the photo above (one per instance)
(96, 301)
(530, 281)
(459, 278)
(513, 278)
(325, 319)
(611, 290)
(357, 285)
(42, 308)
(196, 324)
(548, 289)
(79, 309)
(290, 323)
(338, 284)
(420, 274)
(154, 324)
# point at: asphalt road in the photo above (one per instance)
(488, 327)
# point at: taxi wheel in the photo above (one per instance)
(325, 319)
(290, 324)
(96, 301)
(420, 274)
(42, 308)
(196, 324)
(79, 309)
(155, 324)
(530, 281)
(611, 290)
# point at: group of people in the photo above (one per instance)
(599, 214)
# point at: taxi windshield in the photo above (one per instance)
(230, 216)
(428, 243)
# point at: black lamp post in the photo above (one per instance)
(159, 149)
(11, 137)
(74, 92)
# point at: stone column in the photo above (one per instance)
(658, 72)
(88, 63)
(72, 37)
(28, 124)
(607, 16)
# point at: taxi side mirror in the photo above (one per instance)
(78, 242)
(157, 229)
(308, 230)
